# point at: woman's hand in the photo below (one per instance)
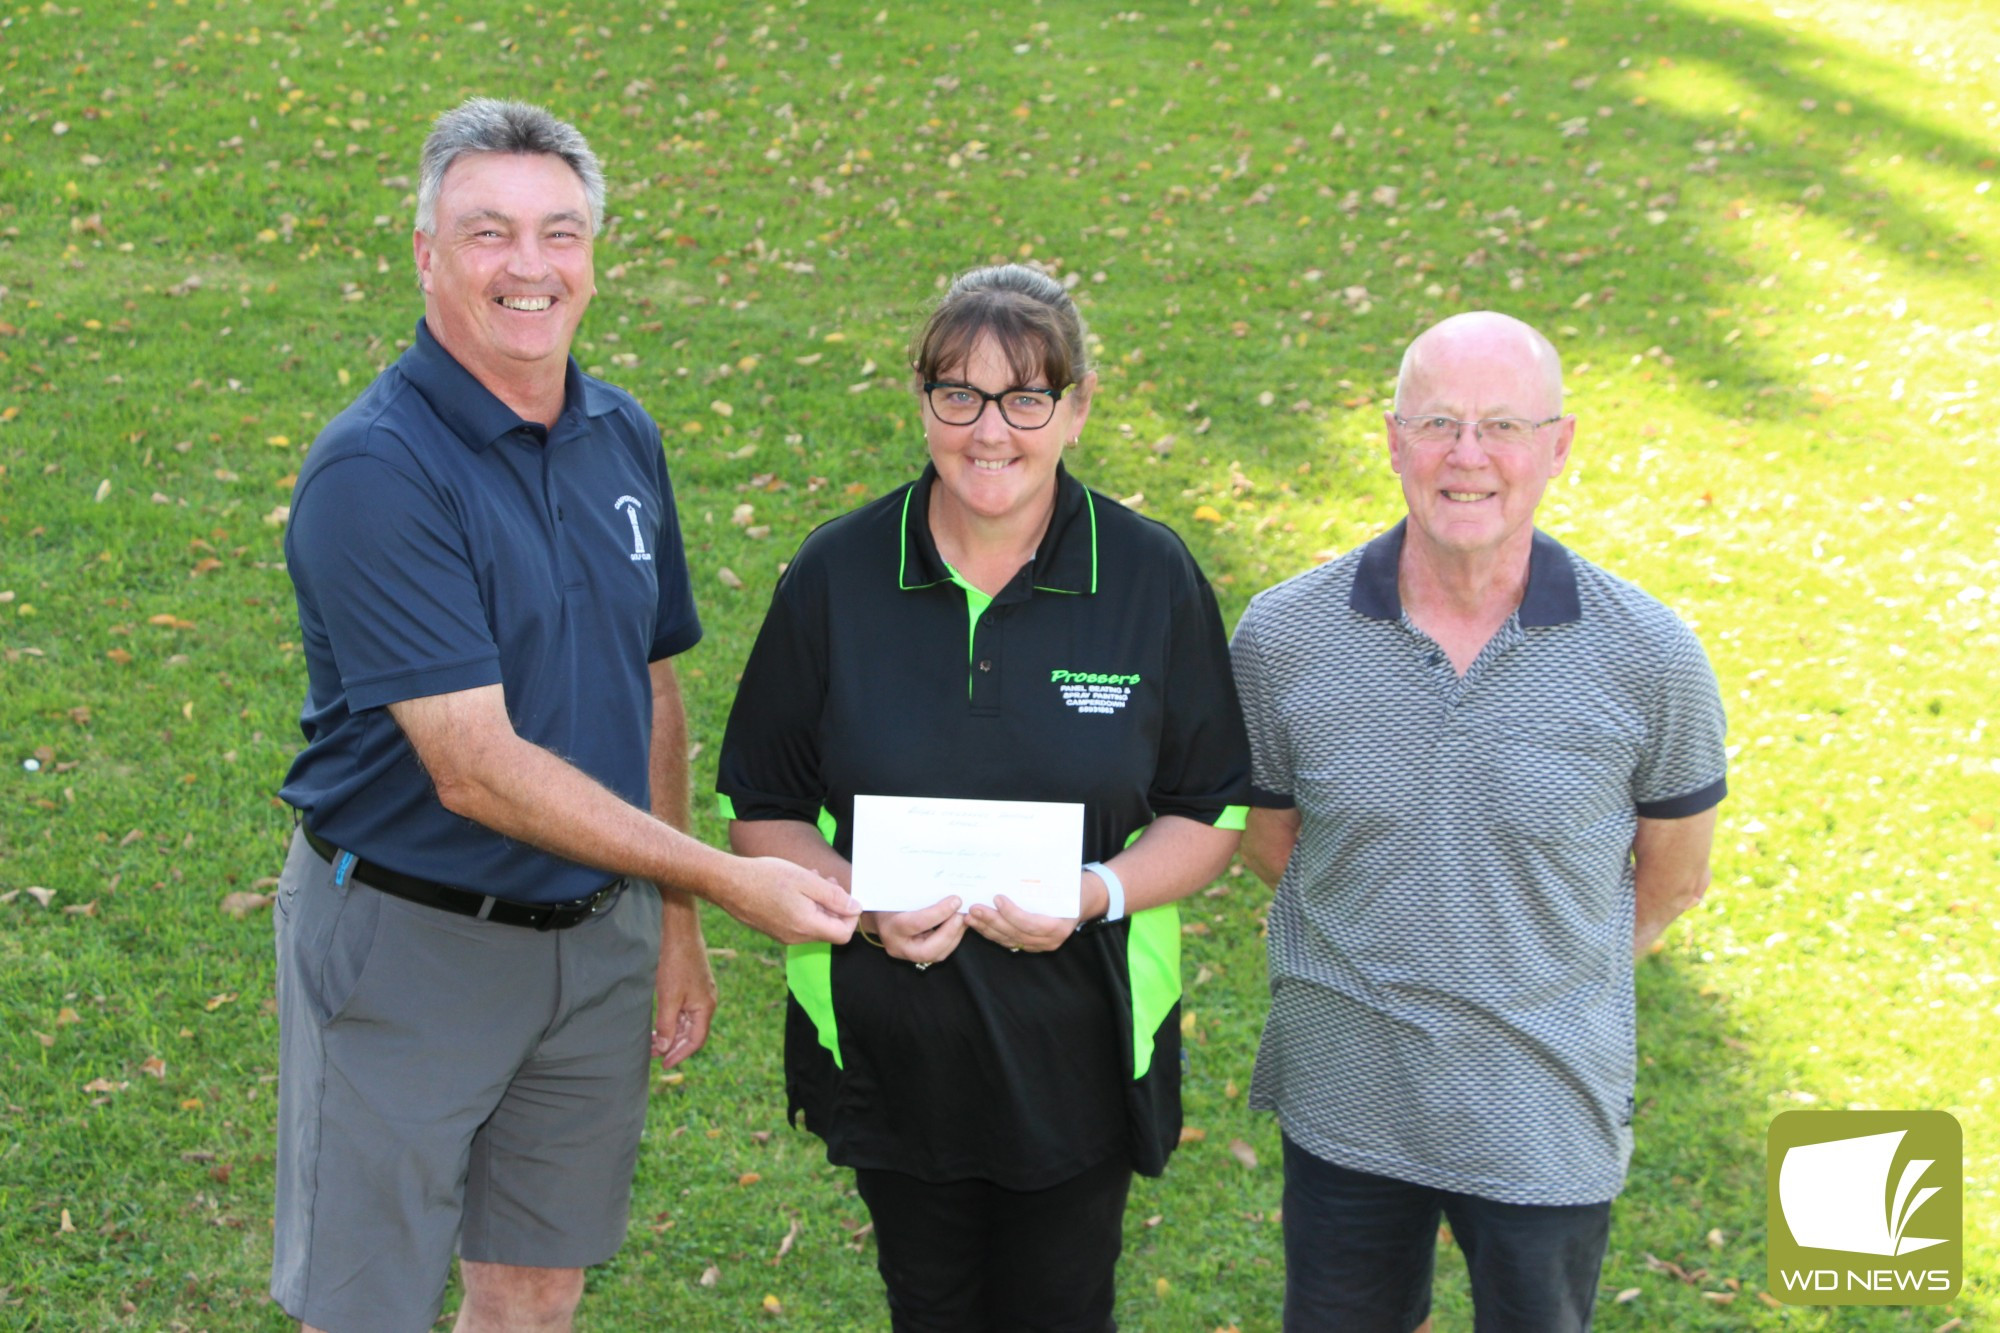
(1013, 927)
(925, 936)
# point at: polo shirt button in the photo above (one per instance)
(1437, 658)
(986, 665)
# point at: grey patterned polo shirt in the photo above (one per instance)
(1451, 943)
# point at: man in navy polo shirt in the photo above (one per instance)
(471, 947)
(1484, 774)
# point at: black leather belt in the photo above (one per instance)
(464, 902)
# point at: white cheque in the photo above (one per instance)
(911, 851)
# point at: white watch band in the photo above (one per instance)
(1114, 888)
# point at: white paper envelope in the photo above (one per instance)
(912, 851)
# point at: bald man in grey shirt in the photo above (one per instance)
(1486, 774)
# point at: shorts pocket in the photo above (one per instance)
(342, 948)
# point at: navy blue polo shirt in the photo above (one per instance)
(438, 542)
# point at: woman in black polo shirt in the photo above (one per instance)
(994, 630)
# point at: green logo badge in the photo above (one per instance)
(1865, 1207)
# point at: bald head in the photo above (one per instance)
(1494, 344)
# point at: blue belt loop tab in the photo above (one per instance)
(340, 870)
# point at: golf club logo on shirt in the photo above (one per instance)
(631, 507)
(1866, 1207)
(1094, 691)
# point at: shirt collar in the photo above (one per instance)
(470, 410)
(1065, 561)
(1551, 598)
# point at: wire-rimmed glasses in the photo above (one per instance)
(1440, 430)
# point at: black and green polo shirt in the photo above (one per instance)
(1100, 675)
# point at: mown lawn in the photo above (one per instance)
(1762, 234)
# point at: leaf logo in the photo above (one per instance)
(1865, 1208)
(1835, 1195)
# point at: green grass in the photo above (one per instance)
(1761, 234)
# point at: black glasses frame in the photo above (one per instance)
(1055, 397)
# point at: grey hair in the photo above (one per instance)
(488, 125)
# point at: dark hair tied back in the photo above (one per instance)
(1025, 311)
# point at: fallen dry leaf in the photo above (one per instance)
(709, 1276)
(785, 1245)
(1627, 1296)
(1243, 1153)
(81, 909)
(1655, 1264)
(772, 1305)
(241, 905)
(215, 1002)
(41, 895)
(749, 1178)
(1189, 1134)
(729, 578)
(155, 1066)
(67, 1225)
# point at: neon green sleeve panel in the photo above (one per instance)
(1233, 817)
(826, 824)
(1153, 962)
(809, 970)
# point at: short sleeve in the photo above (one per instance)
(770, 764)
(1270, 752)
(1681, 769)
(1203, 770)
(676, 625)
(379, 558)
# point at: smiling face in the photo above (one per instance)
(1473, 498)
(508, 275)
(992, 476)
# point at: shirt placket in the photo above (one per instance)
(1453, 689)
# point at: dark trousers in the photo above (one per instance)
(1359, 1250)
(971, 1257)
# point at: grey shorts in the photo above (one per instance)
(448, 1082)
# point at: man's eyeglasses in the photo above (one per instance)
(1487, 430)
(957, 404)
